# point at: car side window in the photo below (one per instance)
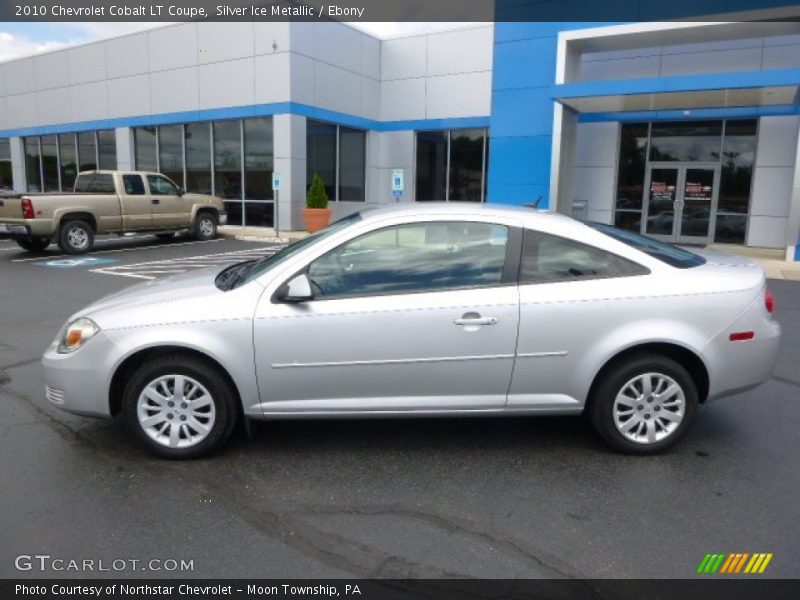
(161, 186)
(549, 258)
(95, 183)
(416, 257)
(134, 185)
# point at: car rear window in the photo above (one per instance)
(671, 254)
(95, 183)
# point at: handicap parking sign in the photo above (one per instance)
(69, 263)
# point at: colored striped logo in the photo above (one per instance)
(734, 563)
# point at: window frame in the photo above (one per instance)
(509, 277)
(638, 268)
(164, 177)
(448, 161)
(337, 162)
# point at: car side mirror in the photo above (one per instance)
(297, 289)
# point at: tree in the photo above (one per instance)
(317, 197)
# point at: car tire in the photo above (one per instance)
(33, 244)
(205, 226)
(631, 419)
(75, 237)
(165, 236)
(179, 430)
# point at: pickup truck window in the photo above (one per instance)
(95, 183)
(134, 186)
(161, 186)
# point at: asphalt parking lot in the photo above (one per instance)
(377, 498)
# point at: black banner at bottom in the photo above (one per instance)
(430, 589)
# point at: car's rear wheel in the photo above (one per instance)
(205, 226)
(33, 244)
(76, 237)
(179, 406)
(643, 405)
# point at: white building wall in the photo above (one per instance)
(771, 198)
(594, 174)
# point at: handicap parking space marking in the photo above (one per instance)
(70, 263)
(173, 266)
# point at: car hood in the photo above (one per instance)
(178, 298)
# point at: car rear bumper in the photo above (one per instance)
(14, 231)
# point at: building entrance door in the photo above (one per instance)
(680, 203)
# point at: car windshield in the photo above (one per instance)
(671, 254)
(268, 262)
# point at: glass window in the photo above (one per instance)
(69, 162)
(161, 186)
(95, 183)
(686, 141)
(736, 176)
(134, 185)
(144, 143)
(50, 163)
(170, 152)
(257, 214)
(107, 149)
(352, 164)
(258, 159)
(321, 155)
(466, 165)
(228, 159)
(431, 165)
(549, 258)
(87, 151)
(198, 158)
(632, 162)
(668, 253)
(416, 257)
(32, 166)
(6, 182)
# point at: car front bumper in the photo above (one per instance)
(79, 382)
(223, 218)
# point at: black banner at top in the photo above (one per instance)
(590, 11)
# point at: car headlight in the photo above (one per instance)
(76, 334)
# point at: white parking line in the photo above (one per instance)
(154, 246)
(173, 266)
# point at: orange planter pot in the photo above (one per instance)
(316, 218)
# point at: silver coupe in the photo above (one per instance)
(435, 310)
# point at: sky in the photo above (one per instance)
(24, 39)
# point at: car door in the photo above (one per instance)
(412, 317)
(571, 296)
(135, 203)
(168, 207)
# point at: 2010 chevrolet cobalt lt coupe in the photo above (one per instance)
(436, 310)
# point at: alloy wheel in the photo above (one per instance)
(649, 408)
(176, 411)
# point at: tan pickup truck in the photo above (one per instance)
(108, 202)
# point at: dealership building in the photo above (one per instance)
(687, 131)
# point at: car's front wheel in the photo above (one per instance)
(644, 405)
(205, 226)
(179, 406)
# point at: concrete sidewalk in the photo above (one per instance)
(770, 259)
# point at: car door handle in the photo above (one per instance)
(469, 319)
(155, 201)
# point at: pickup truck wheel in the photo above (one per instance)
(33, 244)
(205, 226)
(76, 237)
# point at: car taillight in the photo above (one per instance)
(27, 209)
(769, 301)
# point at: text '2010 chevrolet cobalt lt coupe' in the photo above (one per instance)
(423, 311)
